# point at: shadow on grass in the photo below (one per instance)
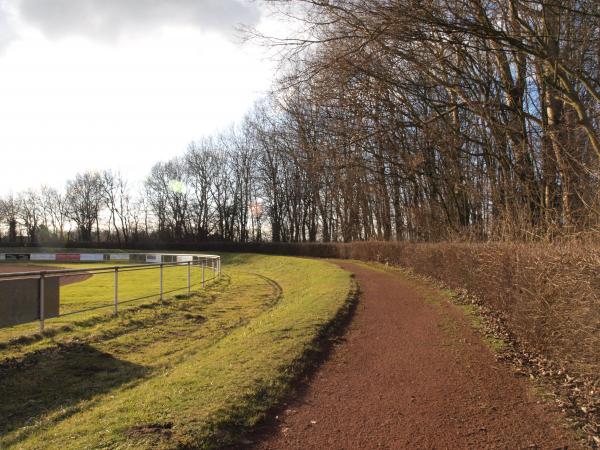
(54, 380)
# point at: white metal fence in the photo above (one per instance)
(209, 265)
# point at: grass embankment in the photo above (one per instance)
(191, 373)
(98, 291)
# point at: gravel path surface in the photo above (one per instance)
(412, 374)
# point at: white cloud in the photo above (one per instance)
(118, 84)
(110, 19)
(74, 104)
(8, 25)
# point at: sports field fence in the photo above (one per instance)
(31, 296)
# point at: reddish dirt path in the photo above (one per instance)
(24, 267)
(413, 374)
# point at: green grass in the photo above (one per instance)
(184, 373)
(473, 312)
(99, 290)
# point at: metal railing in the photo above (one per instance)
(206, 263)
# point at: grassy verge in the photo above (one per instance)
(186, 373)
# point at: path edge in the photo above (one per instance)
(302, 370)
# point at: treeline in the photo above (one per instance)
(428, 120)
(203, 195)
(394, 120)
(92, 207)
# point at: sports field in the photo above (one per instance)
(186, 372)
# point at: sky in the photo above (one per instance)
(120, 84)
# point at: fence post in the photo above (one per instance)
(42, 312)
(161, 281)
(189, 278)
(116, 290)
(203, 266)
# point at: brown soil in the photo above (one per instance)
(24, 267)
(411, 373)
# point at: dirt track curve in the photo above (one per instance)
(411, 374)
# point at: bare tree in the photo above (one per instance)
(117, 198)
(55, 210)
(30, 212)
(84, 202)
(9, 211)
(168, 195)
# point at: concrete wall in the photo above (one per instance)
(19, 300)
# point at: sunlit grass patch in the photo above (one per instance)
(183, 373)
